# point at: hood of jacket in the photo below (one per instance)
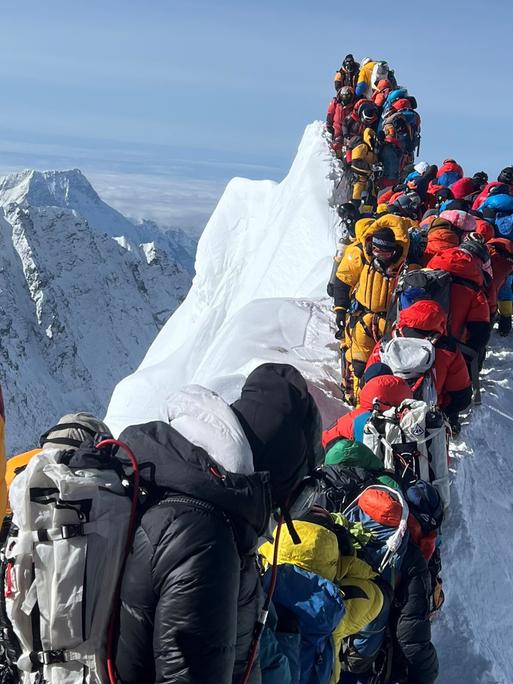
(459, 263)
(388, 389)
(399, 226)
(499, 246)
(350, 453)
(450, 166)
(283, 425)
(362, 227)
(462, 188)
(425, 315)
(206, 420)
(170, 463)
(485, 229)
(460, 219)
(441, 235)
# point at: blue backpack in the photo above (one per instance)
(318, 607)
(498, 203)
(504, 225)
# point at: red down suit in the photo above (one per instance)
(469, 316)
(451, 377)
(387, 389)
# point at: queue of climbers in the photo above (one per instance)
(374, 126)
(229, 543)
(424, 256)
(423, 271)
(241, 543)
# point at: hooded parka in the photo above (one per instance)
(191, 592)
(363, 279)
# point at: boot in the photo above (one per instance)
(455, 424)
(504, 325)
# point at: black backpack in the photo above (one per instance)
(413, 286)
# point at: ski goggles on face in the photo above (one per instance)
(384, 252)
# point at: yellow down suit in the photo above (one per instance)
(371, 285)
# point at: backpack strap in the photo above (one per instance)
(458, 280)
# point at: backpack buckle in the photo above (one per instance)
(70, 531)
(51, 657)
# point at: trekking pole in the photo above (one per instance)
(262, 618)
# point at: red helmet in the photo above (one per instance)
(426, 315)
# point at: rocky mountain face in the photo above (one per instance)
(83, 293)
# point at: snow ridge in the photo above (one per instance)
(261, 270)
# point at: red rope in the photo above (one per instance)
(111, 669)
(259, 628)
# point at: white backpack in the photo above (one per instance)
(412, 359)
(71, 525)
(411, 440)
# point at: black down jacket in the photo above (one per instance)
(414, 652)
(191, 592)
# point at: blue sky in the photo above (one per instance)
(161, 102)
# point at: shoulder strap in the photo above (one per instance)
(458, 280)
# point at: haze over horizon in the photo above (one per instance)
(160, 105)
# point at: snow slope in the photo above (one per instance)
(258, 295)
(474, 635)
(261, 270)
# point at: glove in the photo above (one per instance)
(437, 597)
(340, 320)
(330, 289)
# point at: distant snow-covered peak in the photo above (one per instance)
(67, 190)
(72, 190)
(47, 188)
(78, 310)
